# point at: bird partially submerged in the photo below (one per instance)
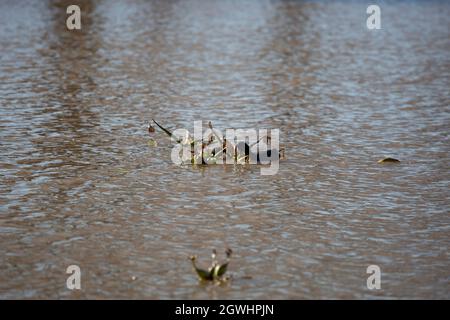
(216, 271)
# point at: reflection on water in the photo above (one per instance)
(80, 184)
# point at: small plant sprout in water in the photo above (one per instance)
(216, 271)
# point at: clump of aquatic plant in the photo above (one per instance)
(201, 153)
(216, 271)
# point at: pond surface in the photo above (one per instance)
(80, 184)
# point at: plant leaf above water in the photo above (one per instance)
(388, 160)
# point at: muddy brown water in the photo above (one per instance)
(81, 185)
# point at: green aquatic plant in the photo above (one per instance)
(216, 271)
(152, 143)
(202, 274)
(388, 160)
(200, 155)
(220, 269)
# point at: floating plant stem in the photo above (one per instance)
(170, 134)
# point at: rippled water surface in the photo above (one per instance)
(80, 183)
